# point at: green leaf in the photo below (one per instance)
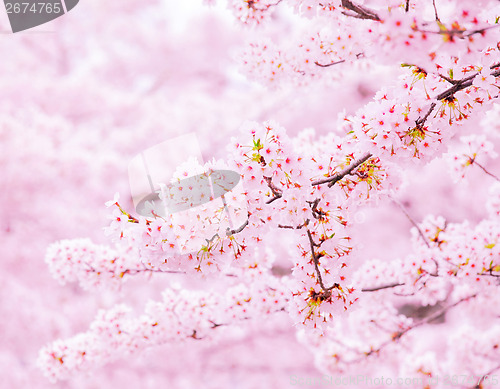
(257, 145)
(442, 27)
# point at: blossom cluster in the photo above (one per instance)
(293, 201)
(181, 316)
(453, 264)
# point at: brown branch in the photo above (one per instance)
(316, 264)
(296, 227)
(484, 377)
(329, 64)
(273, 199)
(317, 213)
(401, 206)
(92, 269)
(251, 5)
(480, 30)
(451, 81)
(462, 84)
(277, 192)
(360, 12)
(461, 34)
(337, 62)
(421, 121)
(396, 336)
(436, 314)
(230, 232)
(486, 171)
(435, 10)
(348, 170)
(375, 288)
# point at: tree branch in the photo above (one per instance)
(277, 192)
(411, 220)
(421, 121)
(486, 171)
(396, 336)
(484, 377)
(348, 170)
(316, 264)
(296, 227)
(329, 64)
(374, 289)
(230, 232)
(360, 12)
(435, 10)
(462, 84)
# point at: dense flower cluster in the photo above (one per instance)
(280, 235)
(182, 315)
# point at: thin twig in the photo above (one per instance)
(396, 336)
(401, 206)
(317, 213)
(316, 264)
(92, 269)
(277, 192)
(480, 30)
(436, 314)
(421, 121)
(338, 176)
(329, 64)
(230, 232)
(486, 171)
(296, 227)
(435, 10)
(462, 84)
(375, 288)
(485, 376)
(360, 12)
(451, 81)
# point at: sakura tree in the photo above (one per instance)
(311, 254)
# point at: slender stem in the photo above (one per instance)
(462, 84)
(374, 289)
(421, 121)
(316, 264)
(296, 227)
(277, 192)
(338, 176)
(485, 376)
(230, 232)
(360, 12)
(329, 64)
(486, 171)
(451, 81)
(401, 206)
(398, 335)
(435, 10)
